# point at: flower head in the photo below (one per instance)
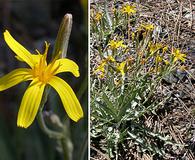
(98, 17)
(146, 27)
(154, 47)
(100, 70)
(159, 59)
(165, 48)
(116, 44)
(121, 68)
(178, 55)
(128, 9)
(41, 74)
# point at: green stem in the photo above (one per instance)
(67, 145)
(46, 130)
(61, 46)
(62, 135)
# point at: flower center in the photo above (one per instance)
(41, 72)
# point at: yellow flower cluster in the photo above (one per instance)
(121, 67)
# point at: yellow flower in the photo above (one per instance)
(178, 55)
(143, 29)
(159, 59)
(41, 74)
(121, 67)
(166, 62)
(110, 59)
(100, 70)
(154, 47)
(147, 27)
(165, 48)
(116, 44)
(133, 36)
(98, 17)
(128, 9)
(101, 67)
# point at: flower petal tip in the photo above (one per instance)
(76, 120)
(77, 74)
(6, 33)
(22, 125)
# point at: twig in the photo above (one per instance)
(102, 154)
(179, 25)
(191, 10)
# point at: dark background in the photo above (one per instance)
(31, 22)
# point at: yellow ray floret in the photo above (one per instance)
(68, 98)
(22, 53)
(41, 75)
(30, 103)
